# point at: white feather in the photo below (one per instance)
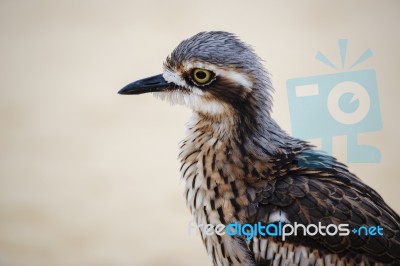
(192, 101)
(278, 216)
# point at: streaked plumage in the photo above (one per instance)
(239, 165)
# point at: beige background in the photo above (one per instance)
(89, 177)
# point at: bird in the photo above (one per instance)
(239, 166)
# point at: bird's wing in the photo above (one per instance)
(330, 195)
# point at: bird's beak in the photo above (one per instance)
(150, 84)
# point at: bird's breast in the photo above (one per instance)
(214, 183)
(215, 191)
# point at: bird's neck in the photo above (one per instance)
(220, 159)
(259, 134)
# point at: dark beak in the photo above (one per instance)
(151, 84)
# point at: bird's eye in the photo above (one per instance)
(202, 76)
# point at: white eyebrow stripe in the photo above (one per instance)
(230, 74)
(173, 77)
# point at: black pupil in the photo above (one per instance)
(201, 74)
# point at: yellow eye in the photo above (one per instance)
(202, 76)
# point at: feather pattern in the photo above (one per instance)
(238, 165)
(246, 168)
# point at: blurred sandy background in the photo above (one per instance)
(89, 177)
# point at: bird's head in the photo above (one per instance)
(214, 74)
